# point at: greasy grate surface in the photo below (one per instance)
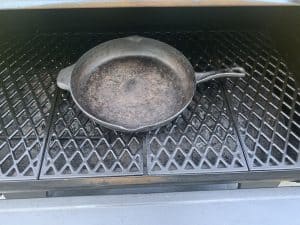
(201, 140)
(266, 103)
(79, 147)
(26, 97)
(258, 114)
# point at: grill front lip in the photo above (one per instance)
(141, 182)
(83, 4)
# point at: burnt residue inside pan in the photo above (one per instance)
(133, 91)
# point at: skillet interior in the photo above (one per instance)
(132, 91)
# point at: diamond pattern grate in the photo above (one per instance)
(26, 96)
(266, 103)
(257, 116)
(79, 147)
(201, 140)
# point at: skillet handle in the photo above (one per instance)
(230, 72)
(64, 78)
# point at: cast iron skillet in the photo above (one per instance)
(134, 83)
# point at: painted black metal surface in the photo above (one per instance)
(256, 117)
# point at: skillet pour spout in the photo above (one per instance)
(135, 83)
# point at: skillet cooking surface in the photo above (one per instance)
(132, 91)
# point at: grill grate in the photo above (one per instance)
(201, 140)
(266, 103)
(79, 147)
(258, 114)
(26, 96)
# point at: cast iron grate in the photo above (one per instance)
(79, 147)
(258, 114)
(26, 96)
(266, 103)
(201, 140)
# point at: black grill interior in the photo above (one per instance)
(246, 125)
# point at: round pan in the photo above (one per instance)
(134, 84)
